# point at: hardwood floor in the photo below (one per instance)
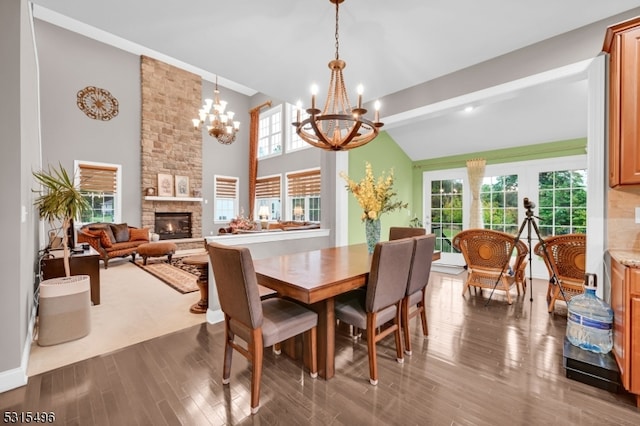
(481, 365)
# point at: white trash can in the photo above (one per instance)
(64, 309)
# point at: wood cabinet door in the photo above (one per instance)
(629, 63)
(618, 304)
(634, 349)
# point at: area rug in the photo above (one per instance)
(177, 275)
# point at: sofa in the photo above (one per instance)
(112, 240)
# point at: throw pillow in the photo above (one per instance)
(120, 231)
(103, 227)
(139, 234)
(105, 240)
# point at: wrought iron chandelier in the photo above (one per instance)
(338, 126)
(220, 125)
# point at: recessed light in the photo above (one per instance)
(468, 108)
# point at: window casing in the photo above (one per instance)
(303, 195)
(268, 193)
(225, 205)
(100, 185)
(270, 132)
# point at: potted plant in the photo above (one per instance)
(59, 200)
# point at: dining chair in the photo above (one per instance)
(398, 232)
(567, 257)
(421, 260)
(259, 323)
(487, 254)
(380, 303)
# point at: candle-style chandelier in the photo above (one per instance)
(219, 124)
(338, 126)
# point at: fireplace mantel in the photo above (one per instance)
(171, 199)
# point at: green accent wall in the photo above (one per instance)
(384, 154)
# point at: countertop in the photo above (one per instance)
(629, 258)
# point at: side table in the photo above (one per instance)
(85, 263)
(201, 262)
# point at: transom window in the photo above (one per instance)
(99, 184)
(295, 142)
(225, 205)
(270, 132)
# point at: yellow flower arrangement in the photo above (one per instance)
(374, 196)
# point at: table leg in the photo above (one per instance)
(326, 335)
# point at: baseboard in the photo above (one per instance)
(17, 377)
(215, 316)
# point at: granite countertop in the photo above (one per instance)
(627, 257)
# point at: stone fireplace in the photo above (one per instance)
(170, 146)
(173, 225)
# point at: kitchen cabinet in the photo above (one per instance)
(622, 43)
(625, 302)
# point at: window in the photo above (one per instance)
(499, 200)
(268, 194)
(99, 184)
(225, 205)
(446, 212)
(294, 142)
(270, 132)
(562, 196)
(303, 194)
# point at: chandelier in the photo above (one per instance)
(220, 125)
(338, 126)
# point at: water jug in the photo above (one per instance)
(590, 320)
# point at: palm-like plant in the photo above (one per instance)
(59, 200)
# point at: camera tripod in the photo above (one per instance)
(530, 223)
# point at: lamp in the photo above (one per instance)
(338, 126)
(297, 213)
(263, 214)
(219, 125)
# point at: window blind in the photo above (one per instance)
(98, 178)
(268, 187)
(303, 184)
(226, 187)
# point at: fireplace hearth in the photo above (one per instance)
(173, 225)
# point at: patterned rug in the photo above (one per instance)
(177, 275)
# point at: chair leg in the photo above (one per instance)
(405, 325)
(256, 351)
(554, 296)
(398, 335)
(228, 352)
(371, 348)
(312, 345)
(277, 348)
(505, 285)
(423, 313)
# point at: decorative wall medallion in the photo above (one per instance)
(97, 103)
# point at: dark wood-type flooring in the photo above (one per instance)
(480, 365)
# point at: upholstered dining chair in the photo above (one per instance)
(398, 232)
(260, 323)
(487, 254)
(567, 257)
(417, 286)
(380, 303)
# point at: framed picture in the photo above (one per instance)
(182, 186)
(165, 185)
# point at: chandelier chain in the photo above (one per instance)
(337, 36)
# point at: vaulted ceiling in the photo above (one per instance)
(280, 47)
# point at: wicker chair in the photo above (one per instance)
(567, 257)
(488, 257)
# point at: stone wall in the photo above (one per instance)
(171, 97)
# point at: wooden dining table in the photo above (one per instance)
(315, 278)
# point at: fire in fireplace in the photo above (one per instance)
(172, 225)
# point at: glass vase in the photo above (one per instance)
(372, 233)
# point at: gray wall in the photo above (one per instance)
(20, 149)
